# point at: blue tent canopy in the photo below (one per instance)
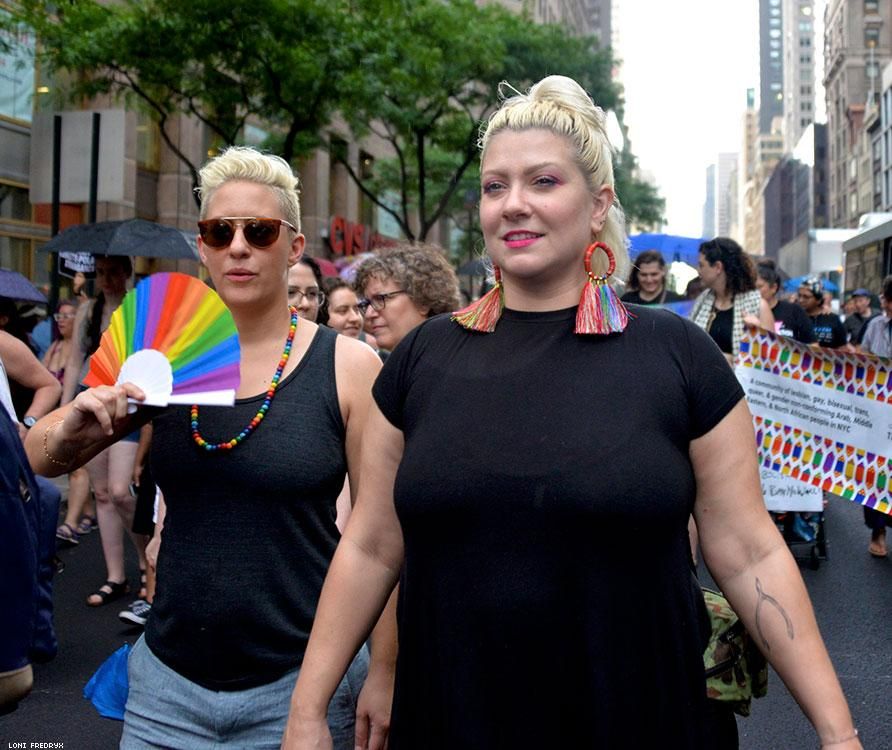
(673, 247)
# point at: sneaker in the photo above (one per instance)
(136, 613)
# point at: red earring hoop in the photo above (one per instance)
(600, 311)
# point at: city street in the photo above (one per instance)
(852, 593)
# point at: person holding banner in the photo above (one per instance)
(829, 330)
(789, 319)
(877, 340)
(503, 485)
(730, 300)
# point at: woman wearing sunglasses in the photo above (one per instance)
(403, 286)
(248, 526)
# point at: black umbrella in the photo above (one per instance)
(135, 237)
(15, 286)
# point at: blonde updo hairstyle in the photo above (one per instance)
(561, 105)
(249, 165)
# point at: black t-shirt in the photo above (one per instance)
(546, 596)
(790, 320)
(249, 533)
(829, 330)
(634, 298)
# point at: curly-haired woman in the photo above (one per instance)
(401, 287)
(731, 299)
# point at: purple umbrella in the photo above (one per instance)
(15, 286)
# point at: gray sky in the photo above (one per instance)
(686, 66)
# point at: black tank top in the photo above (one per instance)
(249, 534)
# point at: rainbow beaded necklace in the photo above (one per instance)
(228, 445)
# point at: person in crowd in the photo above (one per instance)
(789, 319)
(249, 492)
(13, 323)
(27, 563)
(647, 281)
(305, 288)
(401, 287)
(828, 328)
(80, 517)
(341, 309)
(502, 485)
(731, 299)
(694, 288)
(111, 471)
(877, 339)
(856, 321)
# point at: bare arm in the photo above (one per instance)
(751, 564)
(71, 435)
(765, 319)
(360, 580)
(26, 370)
(356, 367)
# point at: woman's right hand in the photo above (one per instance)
(302, 733)
(96, 413)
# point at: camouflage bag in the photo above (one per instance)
(736, 671)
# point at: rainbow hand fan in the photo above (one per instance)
(174, 338)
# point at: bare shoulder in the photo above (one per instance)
(352, 355)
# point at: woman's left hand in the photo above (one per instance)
(373, 709)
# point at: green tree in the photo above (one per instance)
(431, 75)
(420, 74)
(273, 61)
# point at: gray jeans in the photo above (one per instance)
(165, 710)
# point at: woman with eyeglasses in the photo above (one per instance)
(530, 463)
(305, 288)
(247, 527)
(401, 287)
(80, 517)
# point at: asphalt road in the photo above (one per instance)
(852, 594)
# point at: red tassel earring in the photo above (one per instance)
(483, 314)
(600, 310)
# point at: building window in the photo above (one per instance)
(14, 202)
(17, 73)
(871, 36)
(871, 6)
(148, 143)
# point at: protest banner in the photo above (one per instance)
(783, 493)
(821, 417)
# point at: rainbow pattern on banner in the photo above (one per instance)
(858, 374)
(853, 473)
(183, 319)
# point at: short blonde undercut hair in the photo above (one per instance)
(560, 105)
(248, 164)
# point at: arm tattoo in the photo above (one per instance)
(763, 597)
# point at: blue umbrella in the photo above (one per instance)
(791, 285)
(673, 247)
(15, 286)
